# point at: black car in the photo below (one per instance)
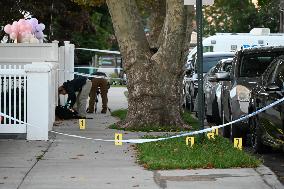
(267, 128)
(247, 67)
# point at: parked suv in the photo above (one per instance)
(247, 67)
(210, 59)
(266, 128)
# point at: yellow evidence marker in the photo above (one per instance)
(189, 141)
(215, 131)
(117, 138)
(82, 124)
(210, 136)
(238, 143)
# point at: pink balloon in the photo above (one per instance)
(8, 28)
(29, 27)
(21, 21)
(15, 23)
(13, 35)
(14, 28)
(22, 27)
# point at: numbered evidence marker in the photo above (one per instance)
(117, 139)
(210, 135)
(215, 131)
(82, 124)
(238, 143)
(189, 141)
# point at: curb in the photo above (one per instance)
(269, 177)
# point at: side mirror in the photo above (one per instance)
(272, 87)
(223, 76)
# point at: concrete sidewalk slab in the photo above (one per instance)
(17, 157)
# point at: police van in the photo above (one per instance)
(231, 42)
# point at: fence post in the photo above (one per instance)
(38, 100)
(69, 60)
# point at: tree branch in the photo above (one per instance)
(129, 31)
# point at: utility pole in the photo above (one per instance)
(199, 18)
(281, 10)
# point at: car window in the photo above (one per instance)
(279, 75)
(255, 64)
(209, 62)
(268, 75)
(227, 67)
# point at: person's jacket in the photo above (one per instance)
(73, 86)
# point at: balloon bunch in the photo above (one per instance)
(25, 31)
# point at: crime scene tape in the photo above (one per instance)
(88, 75)
(139, 141)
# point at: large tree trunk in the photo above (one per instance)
(154, 79)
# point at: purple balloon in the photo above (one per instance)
(40, 27)
(39, 35)
(34, 20)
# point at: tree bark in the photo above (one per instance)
(154, 80)
(156, 21)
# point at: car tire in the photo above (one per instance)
(255, 136)
(215, 111)
(227, 129)
(234, 130)
(189, 103)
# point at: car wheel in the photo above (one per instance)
(255, 137)
(227, 129)
(189, 103)
(234, 132)
(215, 111)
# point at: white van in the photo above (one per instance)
(230, 42)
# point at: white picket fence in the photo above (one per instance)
(29, 77)
(13, 98)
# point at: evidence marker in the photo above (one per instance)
(117, 139)
(82, 124)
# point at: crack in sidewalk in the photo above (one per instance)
(37, 160)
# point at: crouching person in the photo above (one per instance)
(81, 85)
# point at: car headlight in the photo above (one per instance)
(243, 93)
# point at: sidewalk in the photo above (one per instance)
(70, 163)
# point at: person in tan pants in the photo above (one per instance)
(101, 83)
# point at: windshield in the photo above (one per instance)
(209, 62)
(253, 65)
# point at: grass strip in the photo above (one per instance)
(205, 153)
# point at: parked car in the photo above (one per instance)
(247, 67)
(267, 128)
(211, 85)
(210, 59)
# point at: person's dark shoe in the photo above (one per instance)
(104, 111)
(89, 111)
